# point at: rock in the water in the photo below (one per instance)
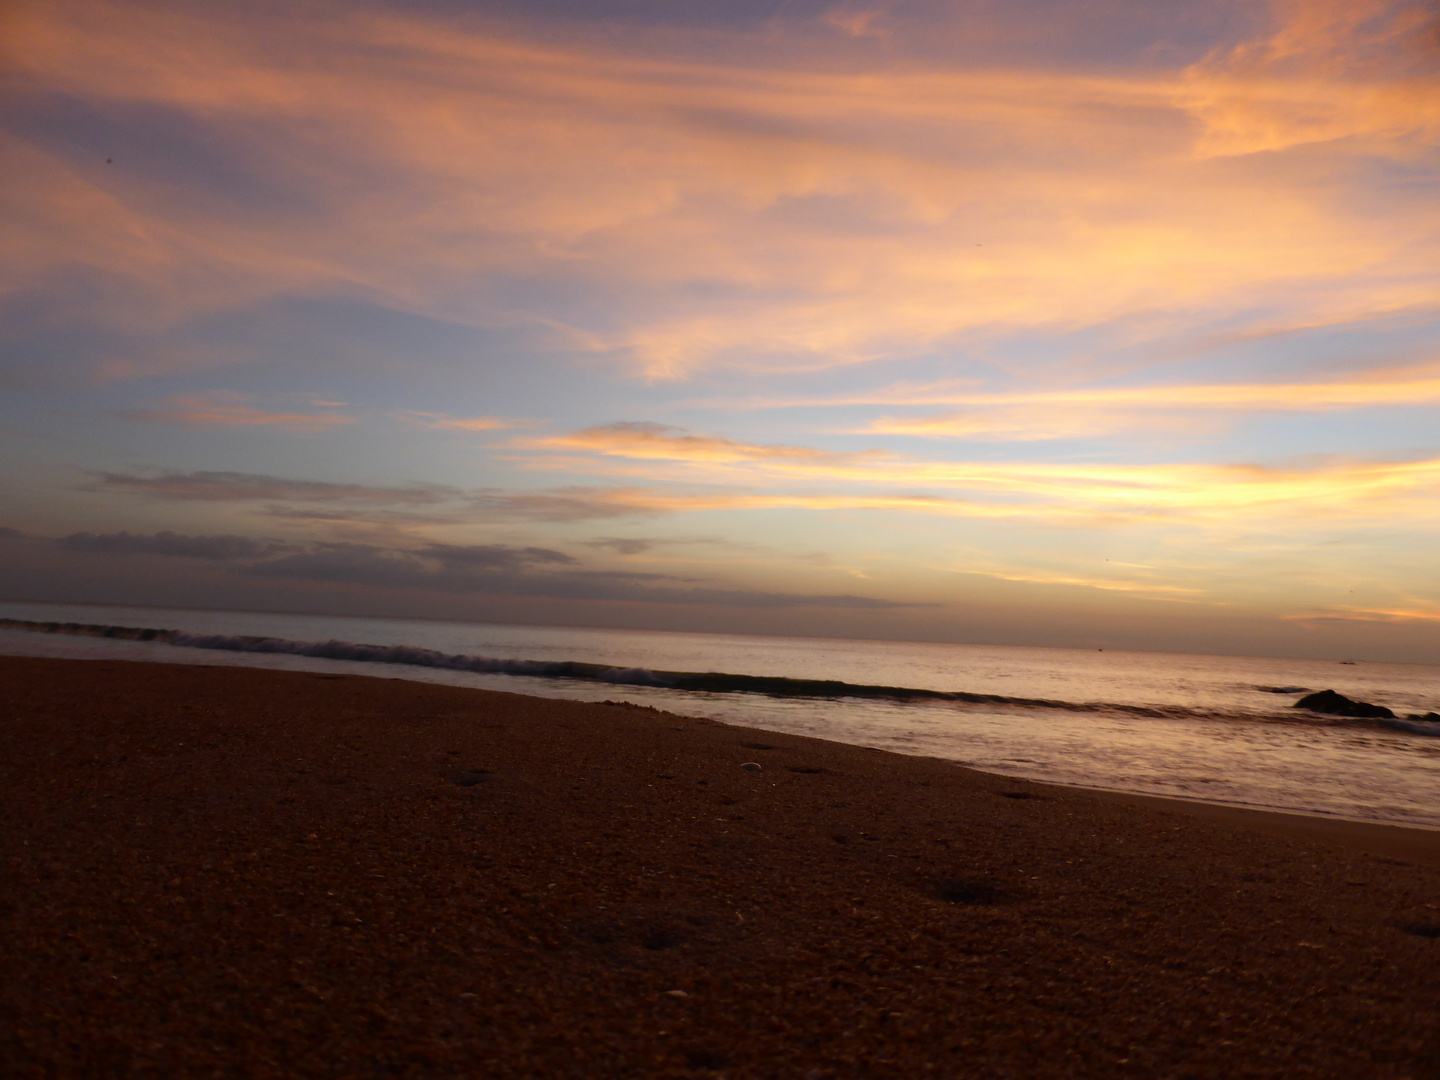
(1333, 704)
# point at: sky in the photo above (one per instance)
(1103, 324)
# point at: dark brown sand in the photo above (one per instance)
(230, 872)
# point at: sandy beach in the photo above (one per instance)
(234, 872)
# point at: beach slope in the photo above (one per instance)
(235, 872)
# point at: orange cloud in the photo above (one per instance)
(1040, 577)
(857, 22)
(1217, 494)
(221, 410)
(445, 422)
(1332, 69)
(1430, 613)
(635, 500)
(660, 442)
(843, 218)
(1090, 412)
(1299, 397)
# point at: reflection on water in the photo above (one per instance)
(1246, 747)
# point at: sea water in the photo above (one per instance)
(1217, 728)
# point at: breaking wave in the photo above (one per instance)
(711, 682)
(1416, 725)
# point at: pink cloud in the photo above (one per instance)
(445, 422)
(660, 442)
(840, 214)
(227, 410)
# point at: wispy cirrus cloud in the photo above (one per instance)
(225, 409)
(1151, 588)
(500, 571)
(623, 545)
(1328, 70)
(1413, 612)
(640, 545)
(414, 504)
(221, 486)
(1411, 384)
(449, 569)
(691, 474)
(690, 208)
(1335, 488)
(446, 422)
(1090, 412)
(215, 548)
(663, 442)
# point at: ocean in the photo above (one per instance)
(1213, 728)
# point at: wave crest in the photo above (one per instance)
(707, 682)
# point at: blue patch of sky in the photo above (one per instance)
(1157, 31)
(1324, 353)
(130, 145)
(1392, 433)
(667, 13)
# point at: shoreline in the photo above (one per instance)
(358, 668)
(247, 871)
(1401, 839)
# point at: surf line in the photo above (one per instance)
(713, 682)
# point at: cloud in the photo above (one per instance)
(1092, 412)
(1105, 584)
(755, 598)
(445, 422)
(330, 561)
(1330, 70)
(7, 533)
(596, 503)
(501, 571)
(217, 548)
(1030, 424)
(356, 503)
(1402, 386)
(1415, 612)
(694, 474)
(361, 503)
(452, 569)
(636, 545)
(221, 409)
(857, 22)
(623, 545)
(573, 504)
(680, 201)
(1334, 488)
(359, 516)
(662, 442)
(443, 567)
(217, 486)
(581, 504)
(493, 556)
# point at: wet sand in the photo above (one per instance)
(235, 872)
